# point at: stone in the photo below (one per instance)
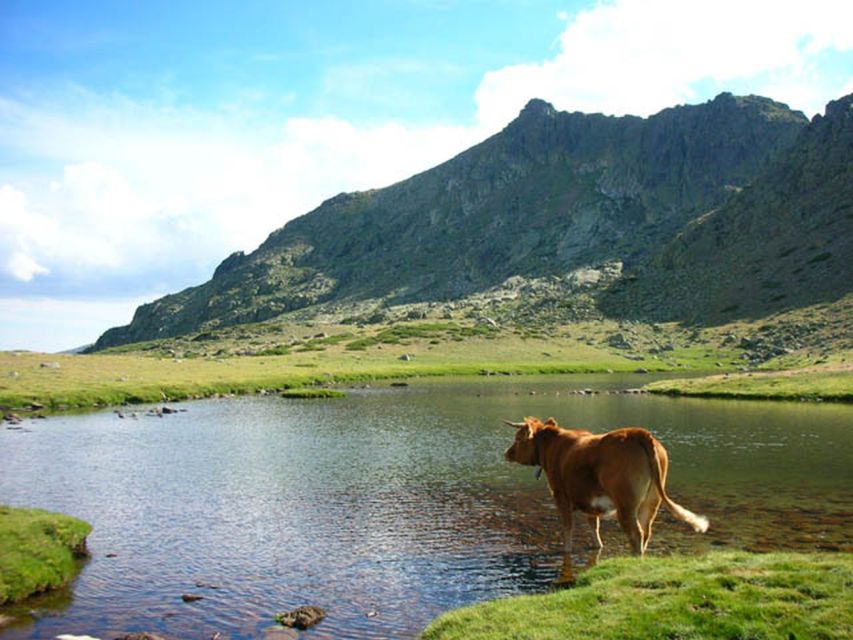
(406, 357)
(301, 617)
(618, 341)
(144, 635)
(49, 365)
(189, 597)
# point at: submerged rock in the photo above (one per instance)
(301, 617)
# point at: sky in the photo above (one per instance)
(143, 142)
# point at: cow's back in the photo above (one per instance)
(621, 460)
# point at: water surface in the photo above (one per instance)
(391, 505)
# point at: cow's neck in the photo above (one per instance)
(548, 448)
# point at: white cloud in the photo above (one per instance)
(640, 56)
(49, 325)
(23, 267)
(135, 186)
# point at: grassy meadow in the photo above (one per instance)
(718, 595)
(38, 551)
(290, 356)
(278, 356)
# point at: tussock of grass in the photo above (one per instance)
(312, 393)
(720, 595)
(37, 551)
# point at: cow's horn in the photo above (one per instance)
(517, 425)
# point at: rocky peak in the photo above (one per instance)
(840, 110)
(538, 108)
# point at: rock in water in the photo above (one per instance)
(301, 617)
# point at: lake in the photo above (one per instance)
(392, 505)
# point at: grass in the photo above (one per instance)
(38, 551)
(270, 356)
(828, 382)
(719, 595)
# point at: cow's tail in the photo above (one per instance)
(699, 523)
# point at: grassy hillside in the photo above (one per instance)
(719, 595)
(38, 551)
(275, 356)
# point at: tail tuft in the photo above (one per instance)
(699, 523)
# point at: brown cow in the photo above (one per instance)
(621, 473)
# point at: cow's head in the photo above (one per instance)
(523, 450)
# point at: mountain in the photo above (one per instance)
(785, 241)
(552, 193)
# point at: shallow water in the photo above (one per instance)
(391, 505)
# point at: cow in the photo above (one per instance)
(621, 473)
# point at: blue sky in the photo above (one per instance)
(141, 143)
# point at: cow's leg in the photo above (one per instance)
(631, 526)
(647, 515)
(567, 575)
(595, 525)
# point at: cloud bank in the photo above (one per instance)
(640, 56)
(104, 196)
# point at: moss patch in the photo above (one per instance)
(38, 551)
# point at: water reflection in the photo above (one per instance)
(389, 507)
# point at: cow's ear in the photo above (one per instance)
(551, 422)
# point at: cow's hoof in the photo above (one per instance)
(564, 581)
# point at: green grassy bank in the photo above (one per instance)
(181, 368)
(719, 595)
(38, 551)
(830, 382)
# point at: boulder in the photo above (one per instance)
(301, 617)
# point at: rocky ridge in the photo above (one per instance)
(516, 222)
